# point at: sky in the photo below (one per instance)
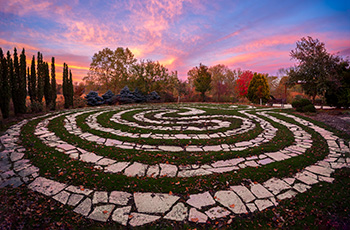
(180, 34)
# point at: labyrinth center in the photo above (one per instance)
(139, 164)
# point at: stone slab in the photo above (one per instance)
(200, 200)
(230, 200)
(154, 202)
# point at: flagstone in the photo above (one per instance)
(121, 215)
(263, 204)
(217, 212)
(196, 216)
(84, 207)
(200, 200)
(74, 199)
(243, 192)
(120, 198)
(178, 212)
(136, 169)
(168, 170)
(138, 219)
(230, 200)
(154, 202)
(117, 167)
(260, 191)
(62, 197)
(276, 185)
(46, 186)
(100, 197)
(102, 213)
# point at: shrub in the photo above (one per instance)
(309, 108)
(36, 107)
(303, 105)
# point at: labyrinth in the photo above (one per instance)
(138, 164)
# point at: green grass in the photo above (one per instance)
(52, 162)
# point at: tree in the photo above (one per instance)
(40, 78)
(111, 69)
(70, 89)
(32, 89)
(53, 84)
(315, 68)
(223, 82)
(47, 85)
(65, 85)
(22, 84)
(243, 82)
(201, 79)
(14, 82)
(258, 89)
(5, 90)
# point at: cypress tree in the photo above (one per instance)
(10, 72)
(71, 89)
(5, 92)
(53, 84)
(14, 82)
(47, 86)
(40, 76)
(65, 85)
(22, 84)
(32, 83)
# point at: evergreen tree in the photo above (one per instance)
(10, 72)
(14, 82)
(65, 86)
(22, 84)
(258, 89)
(5, 92)
(40, 80)
(47, 86)
(32, 85)
(53, 84)
(71, 89)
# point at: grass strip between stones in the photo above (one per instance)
(283, 138)
(58, 166)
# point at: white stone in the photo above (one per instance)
(230, 200)
(100, 197)
(289, 181)
(286, 195)
(62, 197)
(265, 161)
(197, 217)
(217, 212)
(136, 169)
(117, 167)
(102, 213)
(263, 204)
(243, 192)
(154, 202)
(301, 187)
(260, 191)
(46, 186)
(192, 173)
(66, 147)
(178, 212)
(276, 185)
(200, 200)
(106, 161)
(84, 207)
(121, 215)
(80, 190)
(306, 179)
(153, 171)
(170, 148)
(168, 170)
(251, 207)
(90, 157)
(15, 156)
(138, 219)
(277, 156)
(74, 199)
(320, 170)
(224, 163)
(120, 198)
(223, 169)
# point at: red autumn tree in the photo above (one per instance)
(243, 82)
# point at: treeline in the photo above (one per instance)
(17, 81)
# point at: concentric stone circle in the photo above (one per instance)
(140, 208)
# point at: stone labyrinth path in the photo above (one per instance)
(139, 164)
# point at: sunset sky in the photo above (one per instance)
(255, 35)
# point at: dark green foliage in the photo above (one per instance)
(22, 84)
(201, 79)
(40, 78)
(67, 87)
(32, 88)
(339, 94)
(303, 105)
(258, 89)
(14, 82)
(5, 91)
(47, 85)
(53, 84)
(70, 89)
